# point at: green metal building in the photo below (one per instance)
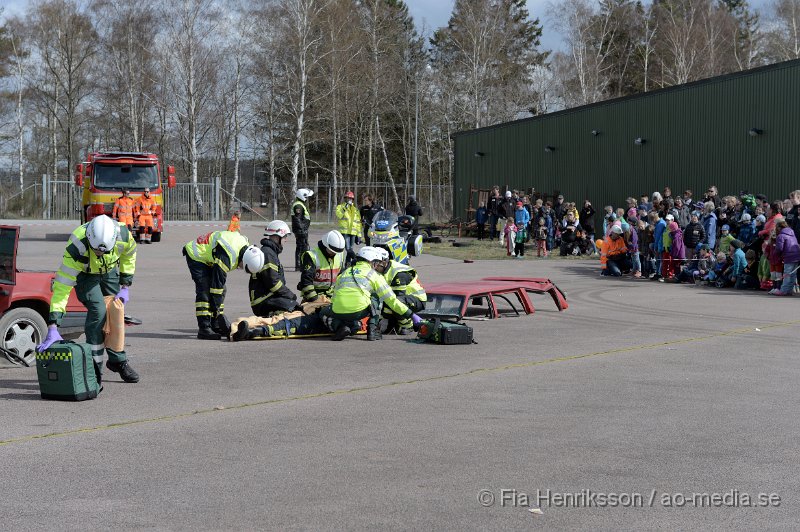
(739, 132)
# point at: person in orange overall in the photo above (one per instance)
(144, 208)
(123, 209)
(234, 224)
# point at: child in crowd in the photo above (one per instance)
(633, 246)
(738, 263)
(519, 240)
(749, 278)
(714, 276)
(541, 238)
(725, 239)
(696, 270)
(747, 229)
(481, 217)
(509, 236)
(677, 251)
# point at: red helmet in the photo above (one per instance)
(349, 194)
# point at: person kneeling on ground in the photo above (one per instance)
(268, 291)
(405, 283)
(614, 259)
(358, 294)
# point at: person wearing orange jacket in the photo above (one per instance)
(123, 209)
(145, 208)
(614, 258)
(234, 224)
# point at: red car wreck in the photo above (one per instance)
(490, 297)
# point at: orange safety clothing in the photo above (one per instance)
(123, 210)
(145, 208)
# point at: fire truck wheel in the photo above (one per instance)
(21, 330)
(156, 237)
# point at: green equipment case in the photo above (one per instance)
(66, 372)
(445, 332)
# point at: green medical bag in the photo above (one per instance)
(66, 372)
(445, 332)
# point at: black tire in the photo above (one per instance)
(445, 231)
(21, 330)
(156, 237)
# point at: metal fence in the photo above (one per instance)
(61, 200)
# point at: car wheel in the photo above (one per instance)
(21, 330)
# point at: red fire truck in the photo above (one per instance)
(106, 174)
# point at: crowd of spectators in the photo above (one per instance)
(743, 241)
(550, 225)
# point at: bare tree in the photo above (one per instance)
(190, 29)
(783, 37)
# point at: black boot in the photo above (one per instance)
(222, 326)
(374, 332)
(125, 371)
(242, 332)
(205, 333)
(341, 333)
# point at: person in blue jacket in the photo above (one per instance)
(658, 241)
(521, 215)
(481, 217)
(710, 224)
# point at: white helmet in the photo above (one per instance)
(370, 254)
(253, 259)
(384, 253)
(334, 241)
(277, 227)
(303, 194)
(102, 233)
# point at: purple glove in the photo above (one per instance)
(52, 337)
(123, 295)
(416, 320)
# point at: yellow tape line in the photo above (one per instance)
(347, 391)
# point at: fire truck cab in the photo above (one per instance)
(105, 175)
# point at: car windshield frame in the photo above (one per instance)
(134, 177)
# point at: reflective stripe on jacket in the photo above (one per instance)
(355, 288)
(303, 205)
(319, 273)
(404, 280)
(79, 258)
(611, 248)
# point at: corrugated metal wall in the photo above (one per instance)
(696, 135)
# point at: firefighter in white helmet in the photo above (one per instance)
(321, 266)
(268, 291)
(359, 293)
(404, 281)
(301, 221)
(99, 261)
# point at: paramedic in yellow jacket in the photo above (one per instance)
(210, 258)
(99, 261)
(349, 220)
(358, 294)
(321, 266)
(404, 281)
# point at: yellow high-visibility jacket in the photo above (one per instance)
(404, 280)
(355, 288)
(349, 219)
(220, 251)
(80, 259)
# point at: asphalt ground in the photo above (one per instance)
(651, 392)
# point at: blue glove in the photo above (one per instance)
(416, 320)
(123, 295)
(52, 337)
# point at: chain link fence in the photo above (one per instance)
(61, 200)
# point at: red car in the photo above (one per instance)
(489, 298)
(25, 304)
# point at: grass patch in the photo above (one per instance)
(484, 250)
